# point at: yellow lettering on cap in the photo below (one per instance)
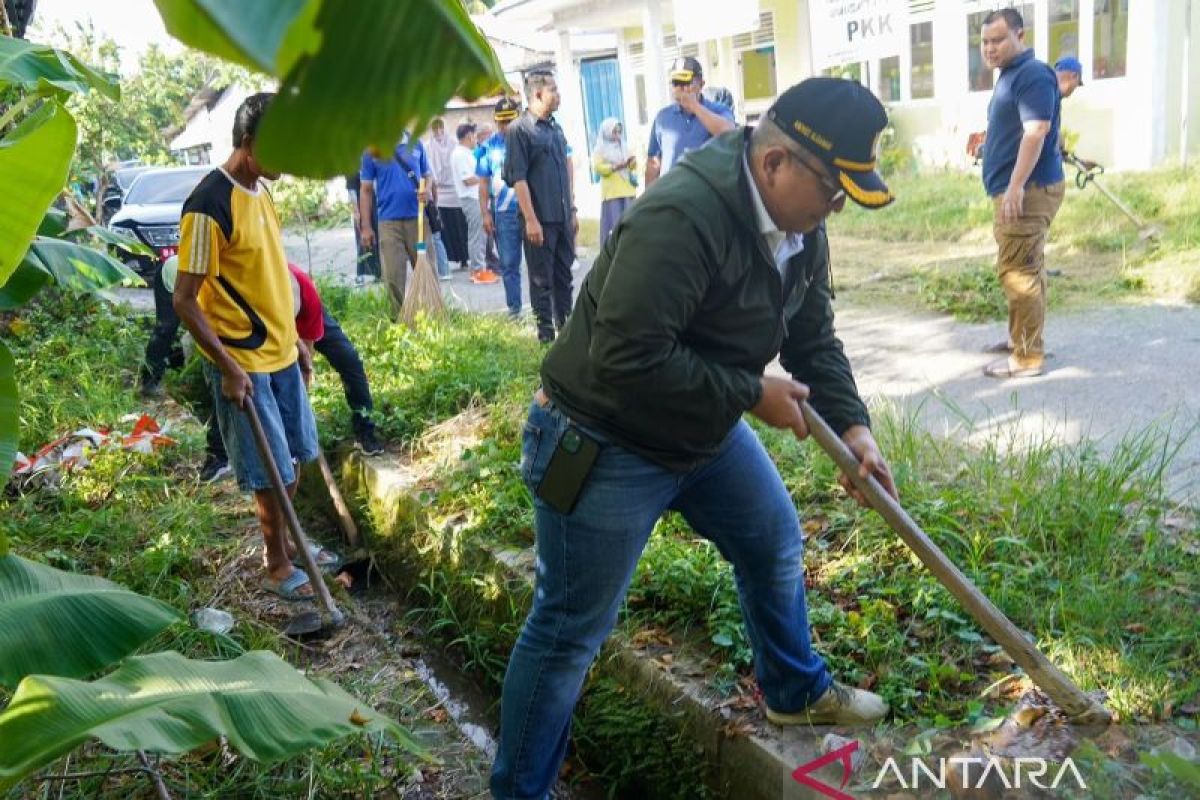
(809, 133)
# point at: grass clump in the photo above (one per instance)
(145, 521)
(942, 220)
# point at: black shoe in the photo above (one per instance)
(369, 443)
(151, 390)
(214, 469)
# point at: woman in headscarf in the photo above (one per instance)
(615, 164)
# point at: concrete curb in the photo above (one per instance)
(747, 767)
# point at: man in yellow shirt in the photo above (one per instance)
(234, 295)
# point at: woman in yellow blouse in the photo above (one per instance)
(615, 164)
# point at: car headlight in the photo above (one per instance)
(161, 235)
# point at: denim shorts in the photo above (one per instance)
(287, 419)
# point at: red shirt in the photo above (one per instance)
(310, 316)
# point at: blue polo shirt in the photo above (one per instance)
(395, 196)
(675, 132)
(1026, 91)
(490, 165)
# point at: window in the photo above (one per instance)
(1111, 32)
(758, 74)
(889, 79)
(921, 76)
(979, 74)
(852, 71)
(1064, 29)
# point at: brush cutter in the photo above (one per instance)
(309, 622)
(1080, 708)
(1089, 172)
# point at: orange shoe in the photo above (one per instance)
(484, 276)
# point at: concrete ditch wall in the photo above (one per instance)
(710, 755)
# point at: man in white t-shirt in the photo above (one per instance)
(466, 186)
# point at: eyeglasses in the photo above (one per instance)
(833, 193)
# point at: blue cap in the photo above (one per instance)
(1070, 64)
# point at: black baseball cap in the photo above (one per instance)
(506, 110)
(685, 69)
(840, 122)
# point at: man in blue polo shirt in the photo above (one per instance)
(686, 124)
(1023, 174)
(501, 214)
(394, 183)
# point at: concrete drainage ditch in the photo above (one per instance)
(680, 742)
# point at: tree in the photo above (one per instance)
(140, 123)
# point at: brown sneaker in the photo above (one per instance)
(840, 705)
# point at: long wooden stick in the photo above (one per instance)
(339, 504)
(1057, 686)
(289, 513)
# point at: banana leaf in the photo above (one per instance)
(28, 279)
(100, 234)
(42, 69)
(165, 703)
(349, 78)
(34, 158)
(62, 623)
(81, 268)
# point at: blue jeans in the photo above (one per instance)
(508, 243)
(586, 559)
(287, 419)
(443, 263)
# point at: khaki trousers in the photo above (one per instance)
(1021, 265)
(397, 250)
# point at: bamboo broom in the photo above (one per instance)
(424, 292)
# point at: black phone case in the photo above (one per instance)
(570, 464)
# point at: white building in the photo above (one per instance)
(207, 135)
(1141, 63)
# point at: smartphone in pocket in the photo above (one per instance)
(570, 464)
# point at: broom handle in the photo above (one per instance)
(420, 217)
(289, 513)
(1057, 686)
(349, 528)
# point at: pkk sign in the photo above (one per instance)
(846, 31)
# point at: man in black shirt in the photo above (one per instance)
(539, 170)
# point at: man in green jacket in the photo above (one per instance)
(722, 265)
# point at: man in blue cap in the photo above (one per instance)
(708, 278)
(1069, 72)
(687, 123)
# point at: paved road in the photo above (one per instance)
(1116, 371)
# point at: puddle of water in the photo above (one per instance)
(437, 677)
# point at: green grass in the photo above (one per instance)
(146, 522)
(1073, 546)
(1066, 541)
(935, 240)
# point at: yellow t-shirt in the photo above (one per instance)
(232, 236)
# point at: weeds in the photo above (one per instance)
(144, 520)
(1065, 541)
(944, 218)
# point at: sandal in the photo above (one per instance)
(327, 560)
(288, 588)
(1002, 369)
